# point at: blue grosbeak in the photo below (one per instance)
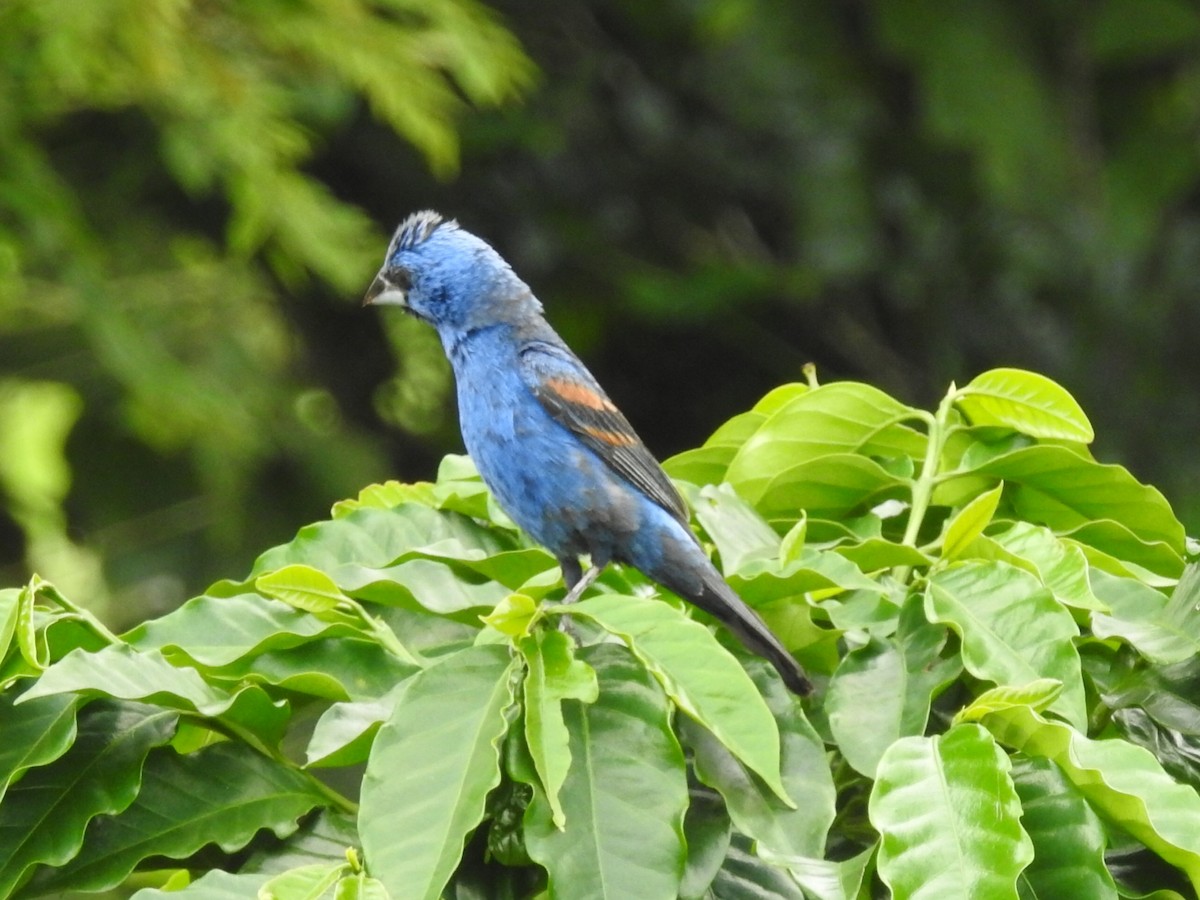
(559, 457)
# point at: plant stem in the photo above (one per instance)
(922, 493)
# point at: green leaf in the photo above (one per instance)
(882, 691)
(223, 794)
(1123, 783)
(1064, 489)
(624, 797)
(431, 768)
(331, 668)
(832, 486)
(345, 731)
(949, 818)
(1013, 632)
(513, 615)
(1026, 402)
(1068, 838)
(213, 885)
(707, 832)
(699, 675)
(377, 538)
(968, 523)
(218, 631)
(302, 587)
(1162, 630)
(35, 733)
(755, 810)
(9, 606)
(385, 496)
(323, 838)
(44, 815)
(553, 675)
(703, 465)
(1061, 565)
(740, 533)
(761, 581)
(823, 879)
(844, 418)
(1039, 695)
(120, 671)
(303, 883)
(746, 876)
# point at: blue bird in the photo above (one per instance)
(558, 456)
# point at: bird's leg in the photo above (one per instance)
(582, 584)
(577, 582)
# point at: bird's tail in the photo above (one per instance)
(718, 599)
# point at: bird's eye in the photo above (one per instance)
(399, 276)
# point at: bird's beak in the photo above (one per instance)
(383, 292)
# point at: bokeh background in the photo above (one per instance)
(706, 194)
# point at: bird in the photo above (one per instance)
(556, 453)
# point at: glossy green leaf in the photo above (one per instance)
(1068, 837)
(1026, 402)
(35, 733)
(213, 885)
(1038, 695)
(217, 631)
(882, 691)
(703, 465)
(1163, 631)
(432, 584)
(762, 580)
(431, 768)
(823, 879)
(755, 810)
(1122, 782)
(124, 673)
(968, 523)
(746, 876)
(43, 817)
(513, 615)
(830, 486)
(624, 797)
(1013, 632)
(379, 537)
(334, 669)
(1061, 566)
(838, 418)
(1118, 540)
(552, 676)
(1064, 489)
(699, 675)
(740, 533)
(223, 794)
(344, 732)
(302, 587)
(385, 496)
(949, 818)
(323, 837)
(303, 883)
(9, 604)
(707, 832)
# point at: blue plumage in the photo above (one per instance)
(557, 454)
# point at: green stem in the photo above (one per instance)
(927, 479)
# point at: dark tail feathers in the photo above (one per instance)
(718, 600)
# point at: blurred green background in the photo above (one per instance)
(705, 193)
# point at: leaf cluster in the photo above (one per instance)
(1003, 630)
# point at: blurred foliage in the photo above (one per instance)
(705, 193)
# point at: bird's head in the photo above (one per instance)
(447, 276)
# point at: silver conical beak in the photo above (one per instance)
(383, 292)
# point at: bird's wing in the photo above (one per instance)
(573, 398)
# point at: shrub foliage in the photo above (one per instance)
(1004, 631)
